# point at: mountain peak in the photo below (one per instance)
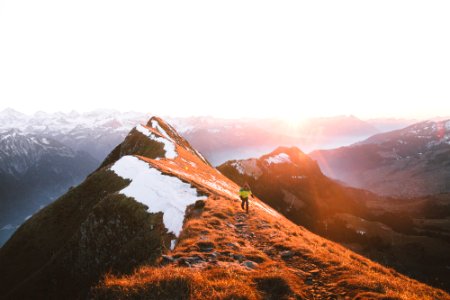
(291, 151)
(157, 207)
(287, 155)
(155, 140)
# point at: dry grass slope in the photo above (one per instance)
(223, 253)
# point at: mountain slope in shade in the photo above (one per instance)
(411, 162)
(293, 183)
(34, 170)
(157, 207)
(401, 234)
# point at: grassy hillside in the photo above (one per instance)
(224, 253)
(410, 235)
(95, 242)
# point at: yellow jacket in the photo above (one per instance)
(245, 193)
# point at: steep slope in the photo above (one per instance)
(155, 193)
(411, 162)
(399, 233)
(34, 170)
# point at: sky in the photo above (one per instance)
(288, 59)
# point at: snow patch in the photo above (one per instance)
(238, 167)
(169, 145)
(155, 124)
(278, 159)
(248, 167)
(159, 192)
(199, 155)
(8, 227)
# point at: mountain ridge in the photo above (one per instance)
(113, 245)
(408, 162)
(400, 233)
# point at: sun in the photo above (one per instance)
(293, 119)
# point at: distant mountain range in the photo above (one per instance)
(224, 139)
(34, 170)
(157, 221)
(95, 132)
(89, 137)
(98, 132)
(410, 162)
(390, 124)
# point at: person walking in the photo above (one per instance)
(244, 193)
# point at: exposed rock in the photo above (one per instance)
(287, 254)
(199, 204)
(166, 259)
(238, 257)
(250, 264)
(205, 246)
(232, 245)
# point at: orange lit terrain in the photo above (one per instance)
(98, 242)
(224, 253)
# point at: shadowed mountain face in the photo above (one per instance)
(291, 182)
(401, 234)
(34, 170)
(410, 162)
(156, 221)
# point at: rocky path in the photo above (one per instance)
(318, 285)
(250, 230)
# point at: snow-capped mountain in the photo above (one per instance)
(34, 170)
(413, 161)
(156, 221)
(96, 132)
(19, 151)
(66, 122)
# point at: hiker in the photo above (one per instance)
(244, 193)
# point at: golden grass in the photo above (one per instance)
(340, 270)
(314, 269)
(182, 283)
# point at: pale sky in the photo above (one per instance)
(227, 58)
